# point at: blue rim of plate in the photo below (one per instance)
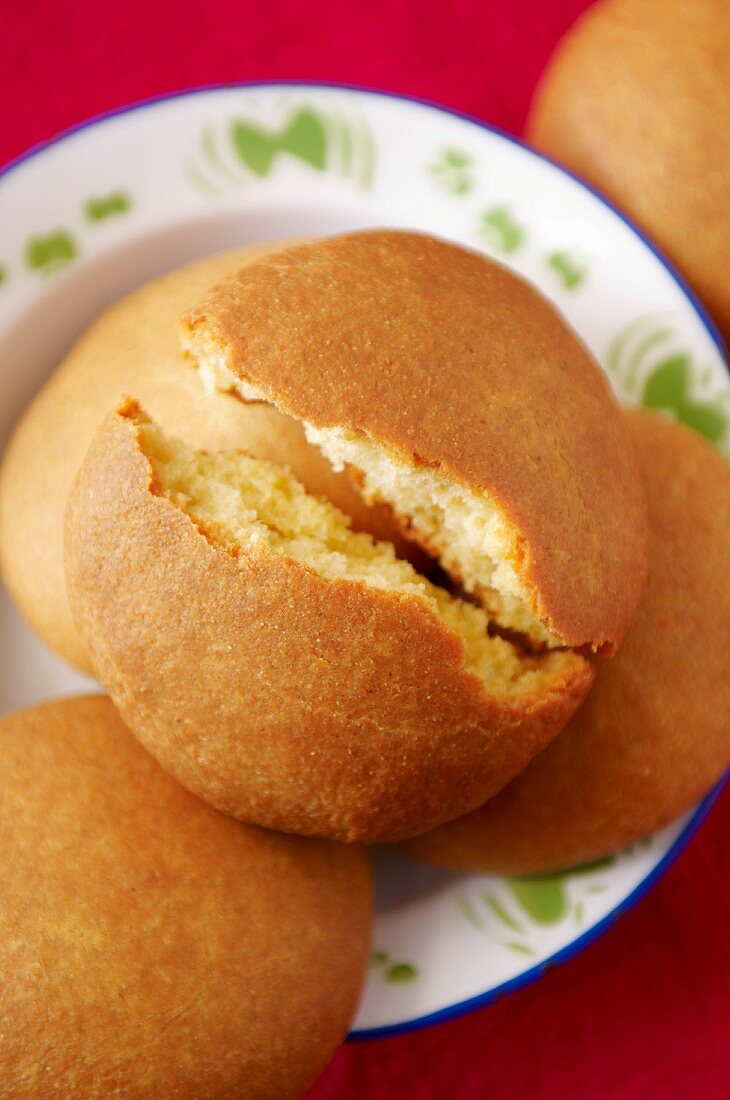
(204, 89)
(528, 976)
(441, 1015)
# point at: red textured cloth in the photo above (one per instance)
(645, 1012)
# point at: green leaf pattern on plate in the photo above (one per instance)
(469, 910)
(100, 207)
(48, 252)
(451, 171)
(303, 135)
(519, 948)
(544, 900)
(500, 229)
(394, 972)
(501, 911)
(248, 149)
(515, 911)
(52, 250)
(651, 365)
(570, 267)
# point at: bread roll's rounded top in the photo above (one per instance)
(654, 733)
(405, 355)
(150, 946)
(636, 100)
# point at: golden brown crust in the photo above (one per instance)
(653, 735)
(133, 347)
(636, 100)
(447, 359)
(320, 707)
(150, 946)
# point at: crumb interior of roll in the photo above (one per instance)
(239, 502)
(463, 529)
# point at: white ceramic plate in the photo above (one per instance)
(123, 198)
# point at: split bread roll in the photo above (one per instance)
(636, 100)
(289, 671)
(133, 347)
(150, 946)
(654, 734)
(459, 397)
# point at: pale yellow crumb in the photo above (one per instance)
(464, 529)
(241, 501)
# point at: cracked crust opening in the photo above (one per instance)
(458, 397)
(288, 670)
(246, 505)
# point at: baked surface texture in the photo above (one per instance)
(654, 734)
(310, 703)
(150, 946)
(636, 100)
(451, 363)
(132, 348)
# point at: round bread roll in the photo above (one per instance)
(133, 348)
(461, 399)
(636, 100)
(653, 735)
(290, 671)
(150, 946)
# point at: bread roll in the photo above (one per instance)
(287, 670)
(461, 399)
(150, 946)
(132, 348)
(636, 100)
(653, 736)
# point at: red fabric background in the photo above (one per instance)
(645, 1012)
